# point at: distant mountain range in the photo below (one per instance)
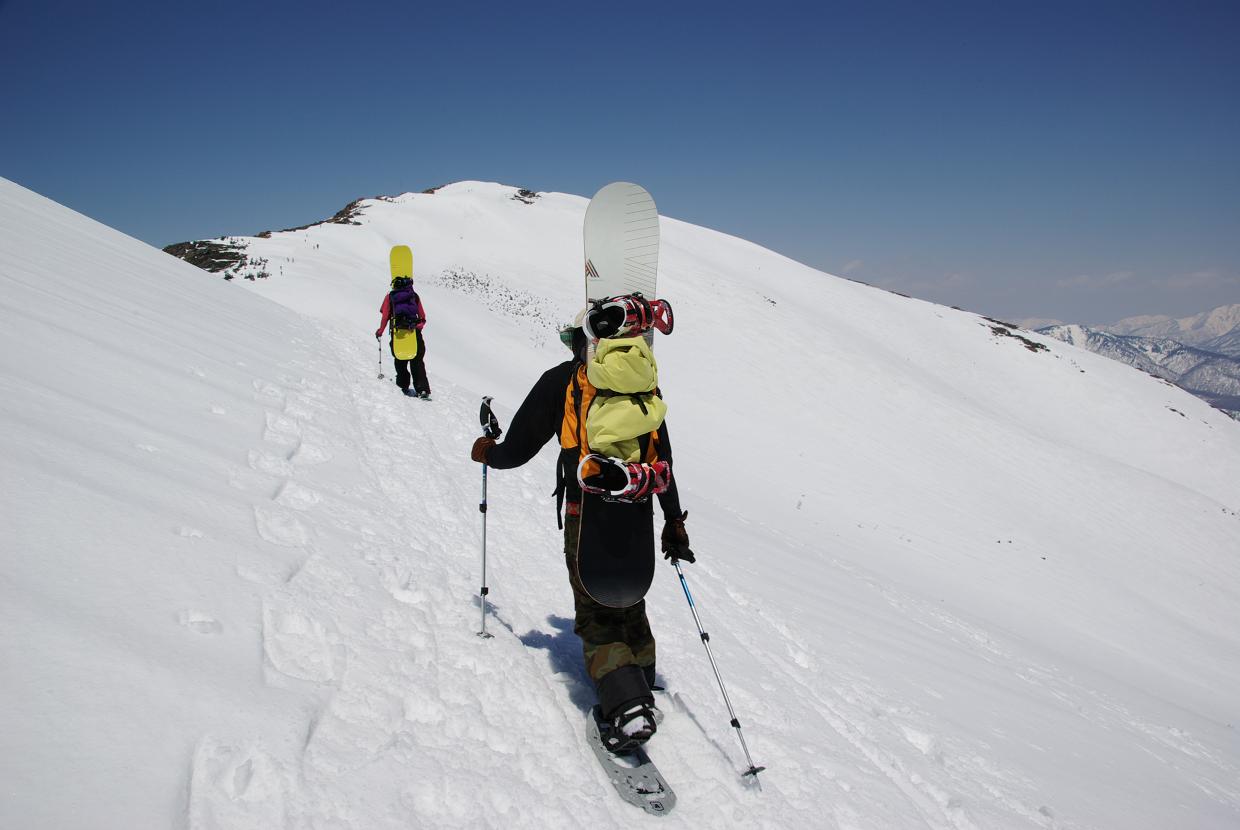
(1200, 354)
(1217, 330)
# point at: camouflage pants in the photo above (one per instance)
(610, 637)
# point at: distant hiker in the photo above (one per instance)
(618, 646)
(403, 308)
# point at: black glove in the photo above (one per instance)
(479, 451)
(676, 540)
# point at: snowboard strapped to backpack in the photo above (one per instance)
(615, 448)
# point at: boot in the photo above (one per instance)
(626, 709)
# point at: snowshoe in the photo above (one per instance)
(627, 316)
(634, 775)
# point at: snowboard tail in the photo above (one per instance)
(404, 344)
(615, 552)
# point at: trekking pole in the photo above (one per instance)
(379, 343)
(490, 429)
(753, 770)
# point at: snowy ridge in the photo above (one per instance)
(1213, 377)
(952, 582)
(1228, 344)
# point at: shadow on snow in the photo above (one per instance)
(564, 650)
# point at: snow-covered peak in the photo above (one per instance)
(1072, 333)
(1194, 330)
(1216, 322)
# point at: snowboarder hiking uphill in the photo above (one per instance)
(606, 407)
(403, 309)
(617, 643)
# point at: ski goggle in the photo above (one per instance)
(616, 480)
(566, 335)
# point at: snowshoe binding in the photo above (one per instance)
(628, 730)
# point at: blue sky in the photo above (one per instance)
(1073, 160)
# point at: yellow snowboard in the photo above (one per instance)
(404, 341)
(405, 344)
(402, 261)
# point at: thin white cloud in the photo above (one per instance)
(1209, 278)
(1039, 322)
(933, 289)
(948, 282)
(1093, 282)
(851, 265)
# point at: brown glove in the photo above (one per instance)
(480, 448)
(676, 540)
(479, 451)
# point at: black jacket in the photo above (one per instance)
(540, 418)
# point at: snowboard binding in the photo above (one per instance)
(627, 315)
(622, 481)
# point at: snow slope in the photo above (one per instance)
(952, 580)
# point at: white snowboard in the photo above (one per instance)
(621, 242)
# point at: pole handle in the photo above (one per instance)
(490, 425)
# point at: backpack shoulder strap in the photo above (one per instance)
(577, 396)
